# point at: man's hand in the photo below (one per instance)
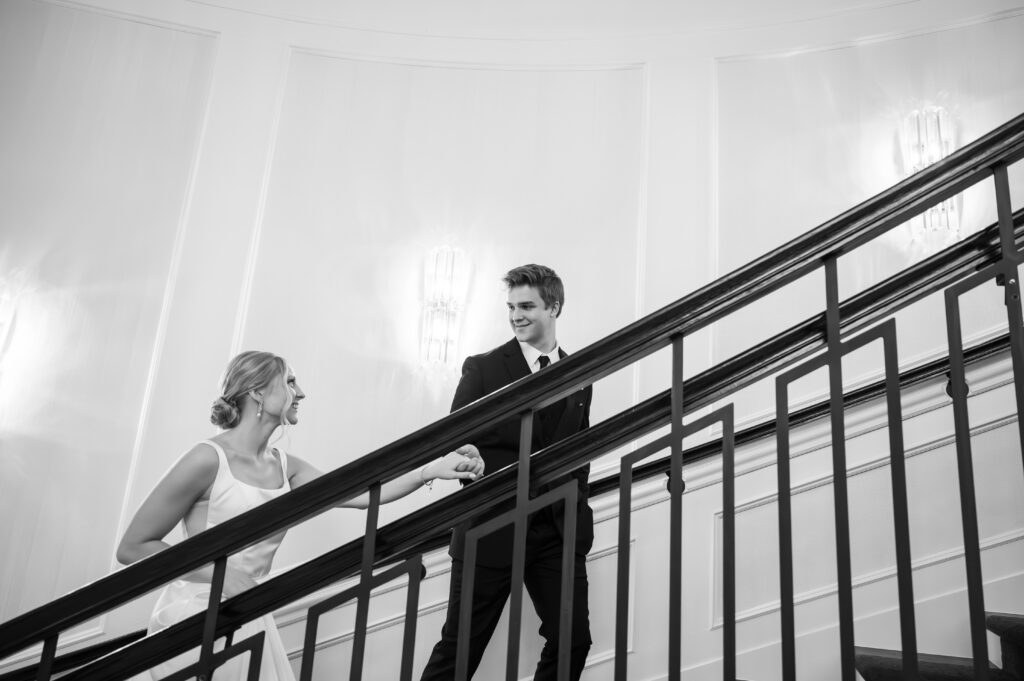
(462, 464)
(474, 462)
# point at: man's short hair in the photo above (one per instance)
(544, 279)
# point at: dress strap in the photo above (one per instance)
(222, 457)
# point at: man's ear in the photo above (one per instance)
(555, 308)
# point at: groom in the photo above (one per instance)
(535, 300)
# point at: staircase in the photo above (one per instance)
(875, 664)
(659, 424)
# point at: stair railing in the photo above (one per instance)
(821, 247)
(608, 484)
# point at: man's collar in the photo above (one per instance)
(531, 354)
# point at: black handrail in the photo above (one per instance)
(427, 529)
(708, 304)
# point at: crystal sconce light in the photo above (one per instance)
(445, 285)
(927, 136)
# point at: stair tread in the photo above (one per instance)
(881, 663)
(1008, 625)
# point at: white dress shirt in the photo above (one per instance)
(533, 355)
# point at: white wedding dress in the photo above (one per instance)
(180, 599)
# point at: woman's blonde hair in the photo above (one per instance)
(249, 370)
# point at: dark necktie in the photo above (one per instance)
(544, 360)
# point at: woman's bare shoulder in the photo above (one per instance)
(199, 463)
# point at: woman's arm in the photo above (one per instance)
(167, 504)
(462, 464)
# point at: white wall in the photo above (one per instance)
(184, 179)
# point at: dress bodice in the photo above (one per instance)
(230, 497)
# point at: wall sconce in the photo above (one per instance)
(927, 136)
(445, 285)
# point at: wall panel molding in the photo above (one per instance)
(786, 53)
(471, 65)
(134, 18)
(642, 219)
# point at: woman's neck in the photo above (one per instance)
(251, 437)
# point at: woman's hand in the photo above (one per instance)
(464, 463)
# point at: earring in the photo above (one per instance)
(259, 410)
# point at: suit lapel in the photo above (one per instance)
(516, 366)
(515, 363)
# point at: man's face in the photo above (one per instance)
(530, 320)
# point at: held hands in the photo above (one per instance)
(462, 464)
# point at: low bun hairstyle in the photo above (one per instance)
(224, 414)
(250, 370)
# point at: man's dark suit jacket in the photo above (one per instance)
(484, 374)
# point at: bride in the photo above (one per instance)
(233, 472)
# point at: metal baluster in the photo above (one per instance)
(839, 482)
(965, 469)
(675, 618)
(622, 578)
(255, 655)
(46, 659)
(728, 544)
(786, 606)
(210, 624)
(465, 609)
(900, 512)
(309, 645)
(515, 613)
(1012, 283)
(568, 577)
(365, 584)
(412, 601)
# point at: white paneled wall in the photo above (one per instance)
(803, 137)
(377, 162)
(101, 119)
(182, 179)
